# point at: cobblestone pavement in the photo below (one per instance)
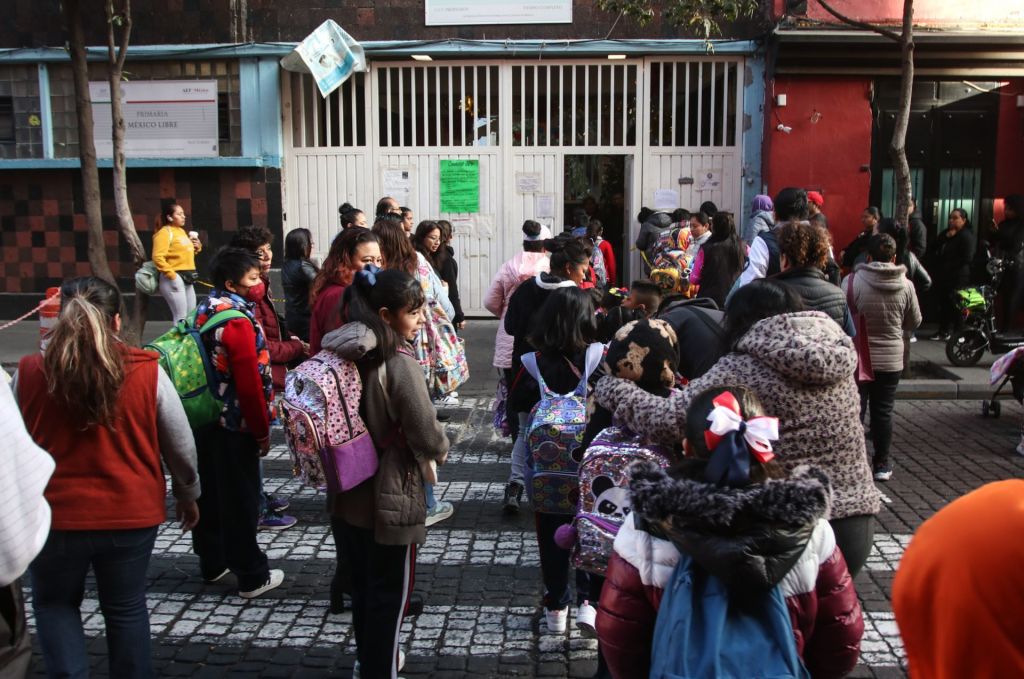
(479, 570)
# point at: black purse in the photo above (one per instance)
(189, 277)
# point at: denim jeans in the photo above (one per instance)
(118, 559)
(520, 452)
(428, 489)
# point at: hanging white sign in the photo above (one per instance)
(162, 118)
(474, 12)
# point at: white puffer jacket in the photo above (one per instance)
(513, 272)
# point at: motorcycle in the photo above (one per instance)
(977, 304)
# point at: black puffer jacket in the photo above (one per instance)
(698, 326)
(818, 294)
(651, 230)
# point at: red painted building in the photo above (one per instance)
(835, 89)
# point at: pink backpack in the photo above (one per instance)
(327, 438)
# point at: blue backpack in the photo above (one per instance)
(705, 631)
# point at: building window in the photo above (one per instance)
(693, 103)
(7, 120)
(339, 120)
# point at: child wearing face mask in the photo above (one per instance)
(229, 450)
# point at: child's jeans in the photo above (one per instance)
(520, 452)
(429, 489)
(554, 564)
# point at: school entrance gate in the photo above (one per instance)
(665, 129)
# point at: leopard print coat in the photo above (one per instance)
(801, 366)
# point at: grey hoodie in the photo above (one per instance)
(886, 298)
(760, 221)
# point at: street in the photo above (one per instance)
(479, 570)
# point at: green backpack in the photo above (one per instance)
(184, 358)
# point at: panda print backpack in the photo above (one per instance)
(604, 493)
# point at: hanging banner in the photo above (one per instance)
(475, 12)
(460, 186)
(330, 54)
(162, 119)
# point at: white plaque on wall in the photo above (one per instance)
(472, 12)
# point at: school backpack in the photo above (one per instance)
(705, 630)
(330, 446)
(184, 358)
(604, 493)
(598, 265)
(555, 439)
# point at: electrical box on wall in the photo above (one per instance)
(780, 100)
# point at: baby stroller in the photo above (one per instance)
(1007, 368)
(978, 333)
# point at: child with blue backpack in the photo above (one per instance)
(550, 447)
(729, 567)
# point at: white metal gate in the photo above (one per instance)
(676, 121)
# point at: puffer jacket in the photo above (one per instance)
(650, 232)
(522, 266)
(282, 351)
(756, 537)
(818, 294)
(886, 299)
(403, 424)
(801, 366)
(760, 221)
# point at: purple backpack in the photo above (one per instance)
(327, 438)
(604, 493)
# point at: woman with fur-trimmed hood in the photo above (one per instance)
(743, 519)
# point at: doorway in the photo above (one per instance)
(596, 185)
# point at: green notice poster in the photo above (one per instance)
(460, 186)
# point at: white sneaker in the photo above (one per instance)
(275, 579)
(586, 620)
(557, 621)
(448, 400)
(442, 510)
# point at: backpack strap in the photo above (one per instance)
(709, 322)
(530, 364)
(218, 319)
(595, 352)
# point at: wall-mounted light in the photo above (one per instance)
(422, 57)
(616, 56)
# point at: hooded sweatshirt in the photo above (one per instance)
(523, 266)
(650, 231)
(885, 297)
(801, 366)
(753, 538)
(957, 595)
(762, 220)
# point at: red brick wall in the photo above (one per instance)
(1009, 145)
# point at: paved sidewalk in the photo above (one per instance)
(479, 570)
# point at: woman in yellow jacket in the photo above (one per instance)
(174, 254)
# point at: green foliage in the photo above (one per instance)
(703, 16)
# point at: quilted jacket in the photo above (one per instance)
(885, 297)
(801, 367)
(522, 266)
(755, 537)
(282, 351)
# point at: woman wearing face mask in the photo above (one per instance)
(951, 255)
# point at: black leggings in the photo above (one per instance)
(854, 535)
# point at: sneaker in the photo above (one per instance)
(883, 472)
(513, 494)
(454, 394)
(940, 337)
(586, 619)
(275, 521)
(557, 621)
(215, 578)
(441, 510)
(913, 338)
(276, 504)
(275, 579)
(449, 400)
(401, 663)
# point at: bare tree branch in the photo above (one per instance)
(850, 21)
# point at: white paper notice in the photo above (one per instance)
(463, 226)
(709, 180)
(527, 182)
(666, 199)
(484, 226)
(544, 206)
(398, 184)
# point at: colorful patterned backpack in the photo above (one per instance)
(327, 438)
(555, 439)
(184, 358)
(604, 493)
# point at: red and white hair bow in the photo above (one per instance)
(757, 432)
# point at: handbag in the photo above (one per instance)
(147, 279)
(500, 419)
(860, 342)
(441, 352)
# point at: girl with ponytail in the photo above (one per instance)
(378, 524)
(107, 415)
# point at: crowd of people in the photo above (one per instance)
(725, 394)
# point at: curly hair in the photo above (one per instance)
(804, 244)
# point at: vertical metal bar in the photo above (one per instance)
(535, 97)
(451, 109)
(317, 115)
(600, 101)
(611, 104)
(714, 97)
(412, 104)
(661, 102)
(300, 81)
(437, 100)
(522, 105)
(386, 72)
(573, 100)
(700, 103)
(45, 111)
(725, 104)
(400, 70)
(547, 105)
(686, 108)
(462, 93)
(673, 99)
(488, 95)
(353, 111)
(329, 103)
(586, 105)
(476, 100)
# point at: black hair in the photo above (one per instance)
(615, 320)
(390, 289)
(594, 229)
(874, 212)
(347, 213)
(167, 211)
(882, 248)
(696, 424)
(531, 229)
(755, 301)
(565, 323)
(790, 203)
(680, 215)
(644, 214)
(298, 244)
(701, 217)
(649, 293)
(611, 300)
(231, 264)
(963, 213)
(252, 238)
(565, 252)
(580, 217)
(419, 241)
(708, 208)
(899, 235)
(405, 210)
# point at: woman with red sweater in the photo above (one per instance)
(351, 250)
(107, 414)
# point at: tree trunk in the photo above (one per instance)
(898, 144)
(86, 147)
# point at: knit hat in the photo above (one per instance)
(816, 198)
